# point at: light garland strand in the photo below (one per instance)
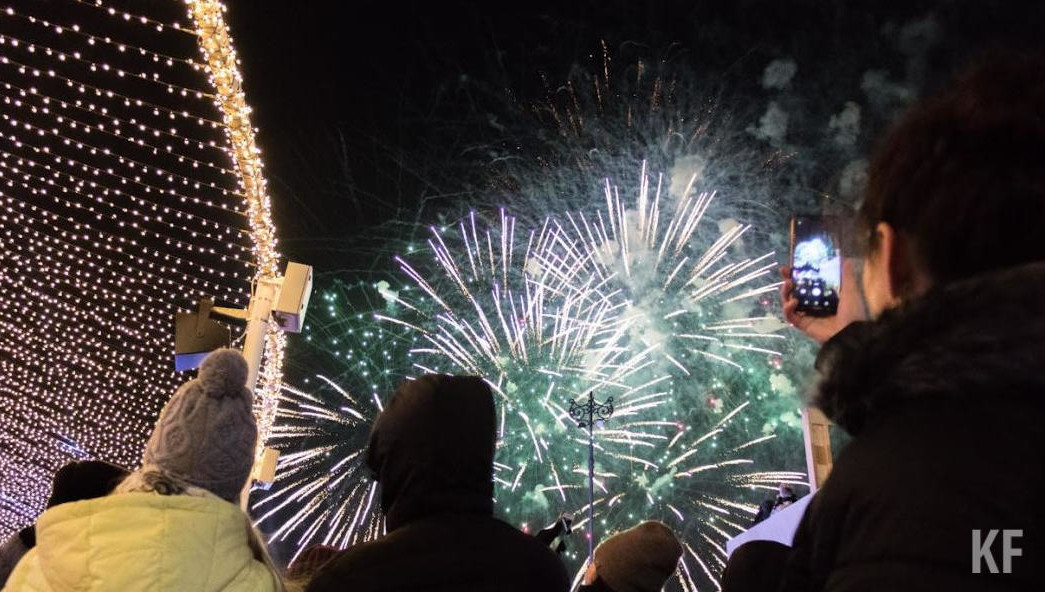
(79, 188)
(43, 107)
(93, 39)
(128, 101)
(160, 26)
(134, 167)
(222, 65)
(221, 61)
(93, 67)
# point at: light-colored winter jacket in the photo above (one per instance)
(142, 542)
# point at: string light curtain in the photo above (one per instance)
(130, 187)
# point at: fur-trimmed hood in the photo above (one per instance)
(981, 337)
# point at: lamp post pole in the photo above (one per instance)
(586, 415)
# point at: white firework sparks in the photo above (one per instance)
(678, 294)
(546, 316)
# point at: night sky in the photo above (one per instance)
(364, 107)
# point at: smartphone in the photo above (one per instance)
(816, 265)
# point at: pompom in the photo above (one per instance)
(224, 374)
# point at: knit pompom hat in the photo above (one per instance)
(640, 559)
(206, 433)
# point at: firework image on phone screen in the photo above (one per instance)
(816, 266)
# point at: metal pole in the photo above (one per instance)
(591, 486)
(258, 312)
(586, 414)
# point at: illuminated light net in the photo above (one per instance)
(130, 186)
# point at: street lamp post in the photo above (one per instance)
(586, 415)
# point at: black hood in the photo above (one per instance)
(432, 449)
(978, 338)
(85, 479)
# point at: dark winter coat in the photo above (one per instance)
(12, 551)
(432, 450)
(755, 566)
(945, 398)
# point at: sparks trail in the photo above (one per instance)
(323, 492)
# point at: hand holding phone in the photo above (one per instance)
(820, 321)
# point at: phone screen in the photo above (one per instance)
(816, 266)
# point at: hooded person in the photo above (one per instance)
(173, 524)
(640, 559)
(78, 480)
(432, 451)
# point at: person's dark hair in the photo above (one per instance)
(310, 561)
(85, 479)
(960, 175)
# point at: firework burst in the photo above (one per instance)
(499, 310)
(655, 295)
(544, 317)
(691, 295)
(679, 282)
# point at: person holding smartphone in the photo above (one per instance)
(941, 380)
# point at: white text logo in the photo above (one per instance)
(982, 550)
